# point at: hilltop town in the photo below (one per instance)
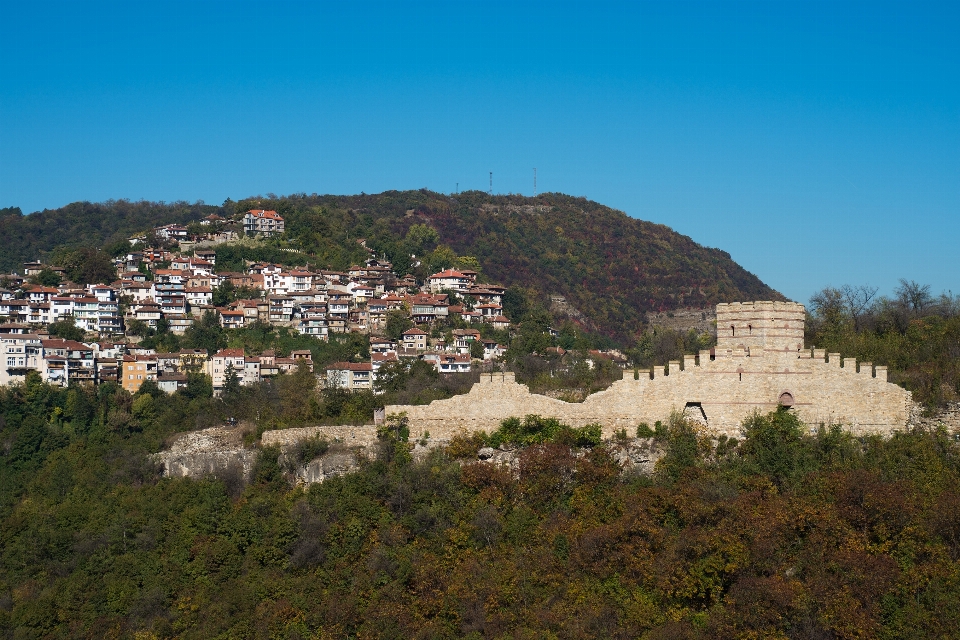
(168, 282)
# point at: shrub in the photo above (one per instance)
(539, 430)
(466, 445)
(644, 430)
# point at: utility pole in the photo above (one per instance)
(534, 182)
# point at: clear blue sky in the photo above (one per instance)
(818, 143)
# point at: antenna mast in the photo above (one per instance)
(534, 182)
(491, 183)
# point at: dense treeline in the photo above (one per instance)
(103, 225)
(786, 533)
(913, 332)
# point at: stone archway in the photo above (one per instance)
(785, 399)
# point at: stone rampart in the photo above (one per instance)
(353, 436)
(766, 369)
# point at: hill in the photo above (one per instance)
(611, 268)
(84, 224)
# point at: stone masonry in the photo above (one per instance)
(759, 363)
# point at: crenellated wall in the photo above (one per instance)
(767, 367)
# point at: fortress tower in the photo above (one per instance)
(760, 326)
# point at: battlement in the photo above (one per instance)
(759, 363)
(753, 327)
(497, 377)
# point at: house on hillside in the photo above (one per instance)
(260, 222)
(414, 339)
(452, 280)
(350, 375)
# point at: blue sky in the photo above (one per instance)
(817, 143)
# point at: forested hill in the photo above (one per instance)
(85, 224)
(609, 266)
(612, 267)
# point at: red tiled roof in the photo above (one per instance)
(350, 366)
(229, 353)
(449, 273)
(264, 214)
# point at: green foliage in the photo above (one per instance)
(686, 444)
(572, 378)
(66, 329)
(774, 445)
(644, 430)
(397, 322)
(48, 277)
(476, 349)
(535, 429)
(306, 451)
(86, 224)
(138, 328)
(86, 265)
(231, 383)
(206, 333)
(562, 546)
(659, 345)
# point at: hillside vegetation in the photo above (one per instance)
(85, 224)
(785, 534)
(609, 267)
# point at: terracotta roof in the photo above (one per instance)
(350, 366)
(230, 353)
(449, 273)
(264, 214)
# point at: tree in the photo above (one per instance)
(913, 295)
(138, 328)
(231, 383)
(206, 334)
(774, 445)
(397, 322)
(391, 377)
(48, 277)
(420, 239)
(224, 294)
(199, 385)
(88, 266)
(476, 349)
(857, 300)
(66, 329)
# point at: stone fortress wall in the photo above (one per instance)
(759, 362)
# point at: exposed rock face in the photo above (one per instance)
(329, 465)
(636, 455)
(208, 452)
(682, 320)
(948, 417)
